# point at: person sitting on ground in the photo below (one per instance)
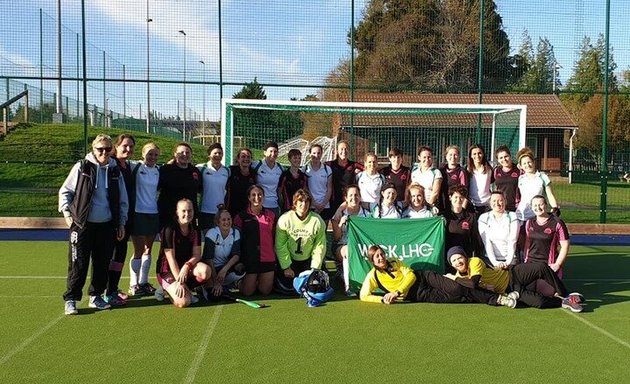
(222, 250)
(387, 207)
(474, 273)
(417, 208)
(498, 230)
(300, 241)
(401, 283)
(351, 207)
(461, 224)
(179, 266)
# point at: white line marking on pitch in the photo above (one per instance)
(28, 341)
(201, 351)
(600, 330)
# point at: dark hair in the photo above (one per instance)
(214, 146)
(394, 152)
(270, 144)
(471, 164)
(294, 152)
(316, 146)
(502, 148)
(423, 148)
(120, 139)
(462, 190)
(385, 187)
(347, 188)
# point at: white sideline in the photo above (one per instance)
(29, 340)
(201, 351)
(598, 329)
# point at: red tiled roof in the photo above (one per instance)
(543, 111)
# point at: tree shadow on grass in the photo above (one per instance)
(600, 275)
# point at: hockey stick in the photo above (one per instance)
(251, 304)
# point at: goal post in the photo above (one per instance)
(369, 127)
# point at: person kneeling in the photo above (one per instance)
(300, 241)
(474, 273)
(179, 267)
(401, 283)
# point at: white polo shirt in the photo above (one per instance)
(268, 179)
(214, 181)
(147, 179)
(318, 182)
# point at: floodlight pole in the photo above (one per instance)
(203, 90)
(184, 126)
(149, 20)
(58, 101)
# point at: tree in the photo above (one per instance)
(430, 44)
(583, 96)
(251, 90)
(588, 72)
(538, 76)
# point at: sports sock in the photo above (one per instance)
(134, 269)
(145, 265)
(346, 273)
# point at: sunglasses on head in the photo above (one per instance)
(104, 149)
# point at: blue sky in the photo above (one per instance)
(279, 42)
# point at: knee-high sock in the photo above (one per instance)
(145, 265)
(134, 271)
(346, 273)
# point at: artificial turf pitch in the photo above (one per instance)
(345, 341)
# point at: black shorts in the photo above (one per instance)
(260, 267)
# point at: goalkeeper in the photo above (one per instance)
(300, 240)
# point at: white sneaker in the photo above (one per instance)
(514, 295)
(507, 301)
(70, 307)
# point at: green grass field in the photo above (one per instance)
(345, 341)
(41, 155)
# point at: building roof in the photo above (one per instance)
(543, 111)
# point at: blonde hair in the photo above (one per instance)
(149, 146)
(101, 138)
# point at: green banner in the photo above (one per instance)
(419, 243)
